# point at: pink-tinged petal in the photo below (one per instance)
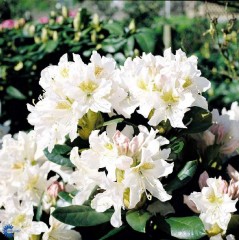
(122, 142)
(219, 131)
(233, 173)
(190, 204)
(203, 180)
(233, 189)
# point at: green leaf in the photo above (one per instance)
(176, 145)
(197, 120)
(113, 232)
(129, 47)
(66, 196)
(39, 209)
(183, 177)
(50, 46)
(59, 155)
(81, 216)
(233, 226)
(15, 93)
(113, 121)
(182, 227)
(146, 40)
(138, 220)
(115, 28)
(112, 45)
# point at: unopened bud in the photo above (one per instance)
(55, 188)
(44, 35)
(132, 26)
(77, 21)
(53, 14)
(88, 123)
(96, 19)
(64, 11)
(55, 36)
(37, 39)
(60, 20)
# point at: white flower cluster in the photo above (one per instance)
(223, 132)
(159, 88)
(215, 206)
(133, 165)
(24, 184)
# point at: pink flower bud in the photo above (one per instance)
(55, 188)
(122, 142)
(10, 23)
(203, 180)
(43, 20)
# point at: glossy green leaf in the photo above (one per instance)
(114, 28)
(233, 226)
(50, 46)
(66, 196)
(113, 121)
(197, 120)
(182, 227)
(138, 220)
(15, 93)
(183, 177)
(112, 45)
(81, 216)
(176, 145)
(59, 155)
(146, 40)
(112, 233)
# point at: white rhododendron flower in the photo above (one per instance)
(226, 132)
(222, 133)
(133, 164)
(71, 90)
(164, 87)
(20, 216)
(60, 231)
(215, 206)
(24, 169)
(233, 112)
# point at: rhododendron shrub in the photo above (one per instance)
(131, 148)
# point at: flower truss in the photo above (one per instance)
(128, 149)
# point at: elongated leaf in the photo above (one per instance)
(66, 196)
(233, 226)
(197, 120)
(182, 227)
(115, 28)
(177, 145)
(81, 216)
(146, 40)
(113, 232)
(183, 177)
(15, 93)
(138, 220)
(59, 155)
(113, 121)
(113, 45)
(50, 46)
(39, 209)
